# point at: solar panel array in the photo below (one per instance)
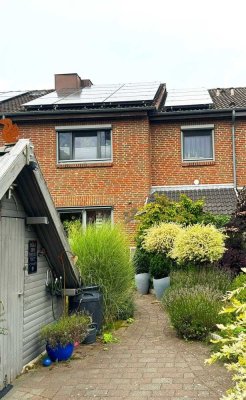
(96, 94)
(187, 97)
(10, 95)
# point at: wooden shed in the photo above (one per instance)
(33, 248)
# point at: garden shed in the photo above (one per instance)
(33, 253)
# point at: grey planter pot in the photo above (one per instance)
(160, 285)
(142, 282)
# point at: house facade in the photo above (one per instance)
(105, 149)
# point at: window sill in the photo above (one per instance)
(197, 163)
(85, 165)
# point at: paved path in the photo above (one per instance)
(148, 362)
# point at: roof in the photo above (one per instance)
(125, 94)
(18, 165)
(228, 97)
(116, 97)
(14, 104)
(217, 201)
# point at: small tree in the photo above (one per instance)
(198, 244)
(160, 238)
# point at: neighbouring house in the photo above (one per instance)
(105, 149)
(33, 253)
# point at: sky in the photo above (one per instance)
(183, 43)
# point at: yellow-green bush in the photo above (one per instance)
(198, 243)
(160, 238)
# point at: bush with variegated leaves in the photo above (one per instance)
(198, 244)
(160, 238)
(233, 344)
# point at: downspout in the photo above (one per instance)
(234, 161)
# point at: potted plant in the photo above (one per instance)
(160, 266)
(61, 335)
(141, 261)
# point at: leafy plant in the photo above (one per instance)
(126, 308)
(103, 259)
(233, 344)
(160, 265)
(193, 310)
(109, 338)
(184, 212)
(160, 238)
(68, 329)
(199, 244)
(212, 277)
(141, 261)
(238, 282)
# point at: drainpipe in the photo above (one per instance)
(234, 161)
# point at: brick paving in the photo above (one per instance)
(148, 362)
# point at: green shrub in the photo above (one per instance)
(141, 261)
(193, 311)
(233, 343)
(104, 260)
(126, 308)
(160, 238)
(184, 212)
(199, 244)
(238, 282)
(68, 329)
(212, 277)
(160, 265)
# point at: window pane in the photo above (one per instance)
(65, 146)
(98, 216)
(197, 145)
(105, 144)
(85, 147)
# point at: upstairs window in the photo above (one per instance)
(84, 145)
(197, 143)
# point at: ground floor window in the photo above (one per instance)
(87, 215)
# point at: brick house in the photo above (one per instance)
(104, 149)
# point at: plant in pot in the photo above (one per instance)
(61, 335)
(141, 262)
(160, 266)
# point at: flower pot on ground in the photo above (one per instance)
(160, 266)
(61, 335)
(91, 335)
(141, 261)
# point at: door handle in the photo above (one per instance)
(20, 294)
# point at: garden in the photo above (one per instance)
(194, 262)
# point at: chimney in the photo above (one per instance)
(70, 81)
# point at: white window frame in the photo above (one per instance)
(81, 128)
(83, 210)
(197, 128)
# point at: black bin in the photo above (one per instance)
(91, 302)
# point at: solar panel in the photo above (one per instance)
(10, 95)
(114, 93)
(188, 97)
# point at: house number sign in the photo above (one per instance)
(32, 256)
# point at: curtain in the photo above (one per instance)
(197, 145)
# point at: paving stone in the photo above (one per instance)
(149, 363)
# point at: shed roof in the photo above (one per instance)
(18, 165)
(217, 201)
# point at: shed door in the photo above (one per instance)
(12, 232)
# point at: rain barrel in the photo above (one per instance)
(90, 301)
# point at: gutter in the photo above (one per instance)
(234, 160)
(179, 115)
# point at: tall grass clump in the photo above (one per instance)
(193, 311)
(103, 259)
(212, 277)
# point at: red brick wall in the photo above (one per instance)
(166, 162)
(123, 184)
(240, 129)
